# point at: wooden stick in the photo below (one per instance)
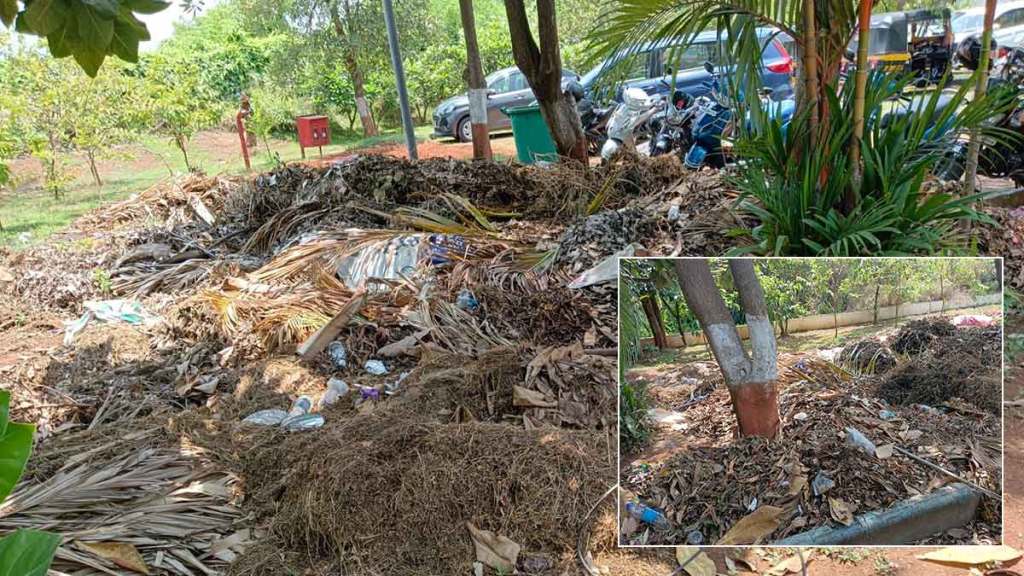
(938, 468)
(319, 340)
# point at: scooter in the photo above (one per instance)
(671, 127)
(635, 111)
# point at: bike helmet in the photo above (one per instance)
(969, 52)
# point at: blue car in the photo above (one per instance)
(649, 69)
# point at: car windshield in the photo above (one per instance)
(967, 22)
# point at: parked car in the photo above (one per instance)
(505, 88)
(1007, 27)
(648, 68)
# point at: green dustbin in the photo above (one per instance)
(533, 141)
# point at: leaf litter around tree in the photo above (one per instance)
(499, 413)
(713, 482)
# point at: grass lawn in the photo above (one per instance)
(28, 214)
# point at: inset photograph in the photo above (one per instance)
(810, 401)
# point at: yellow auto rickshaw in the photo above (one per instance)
(918, 42)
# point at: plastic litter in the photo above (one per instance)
(369, 393)
(673, 213)
(271, 417)
(127, 311)
(336, 389)
(301, 405)
(302, 422)
(858, 440)
(822, 483)
(375, 367)
(648, 515)
(886, 414)
(387, 259)
(442, 246)
(336, 352)
(606, 270)
(694, 538)
(800, 416)
(466, 301)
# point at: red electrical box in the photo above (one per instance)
(313, 131)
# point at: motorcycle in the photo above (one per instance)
(1003, 157)
(671, 127)
(633, 113)
(594, 119)
(710, 117)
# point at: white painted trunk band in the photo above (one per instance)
(478, 105)
(763, 349)
(729, 352)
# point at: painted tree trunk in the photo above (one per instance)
(751, 379)
(477, 85)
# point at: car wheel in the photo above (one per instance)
(464, 130)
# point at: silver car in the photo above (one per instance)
(505, 88)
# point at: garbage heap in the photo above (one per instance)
(836, 457)
(376, 366)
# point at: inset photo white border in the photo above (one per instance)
(938, 469)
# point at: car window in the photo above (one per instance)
(499, 84)
(631, 68)
(1011, 18)
(516, 81)
(692, 56)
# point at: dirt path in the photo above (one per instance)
(502, 145)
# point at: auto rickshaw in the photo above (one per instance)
(918, 42)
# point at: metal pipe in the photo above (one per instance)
(906, 522)
(403, 94)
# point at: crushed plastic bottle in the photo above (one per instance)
(466, 301)
(266, 417)
(336, 388)
(648, 515)
(859, 441)
(301, 405)
(694, 538)
(375, 367)
(822, 483)
(302, 422)
(886, 414)
(673, 213)
(338, 355)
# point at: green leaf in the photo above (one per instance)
(45, 17)
(15, 447)
(5, 410)
(8, 11)
(125, 43)
(108, 8)
(27, 552)
(89, 58)
(93, 29)
(61, 41)
(146, 6)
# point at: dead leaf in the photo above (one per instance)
(498, 552)
(884, 451)
(841, 511)
(6, 275)
(121, 553)
(746, 557)
(694, 561)
(406, 345)
(753, 526)
(525, 397)
(911, 435)
(972, 555)
(796, 485)
(791, 565)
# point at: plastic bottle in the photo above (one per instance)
(648, 515)
(338, 355)
(466, 301)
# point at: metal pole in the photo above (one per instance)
(396, 63)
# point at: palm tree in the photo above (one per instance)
(821, 30)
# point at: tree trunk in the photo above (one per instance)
(942, 292)
(859, 92)
(875, 320)
(835, 321)
(981, 84)
(182, 143)
(810, 62)
(477, 86)
(999, 273)
(751, 379)
(355, 72)
(92, 168)
(653, 313)
(542, 66)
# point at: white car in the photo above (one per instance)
(1007, 28)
